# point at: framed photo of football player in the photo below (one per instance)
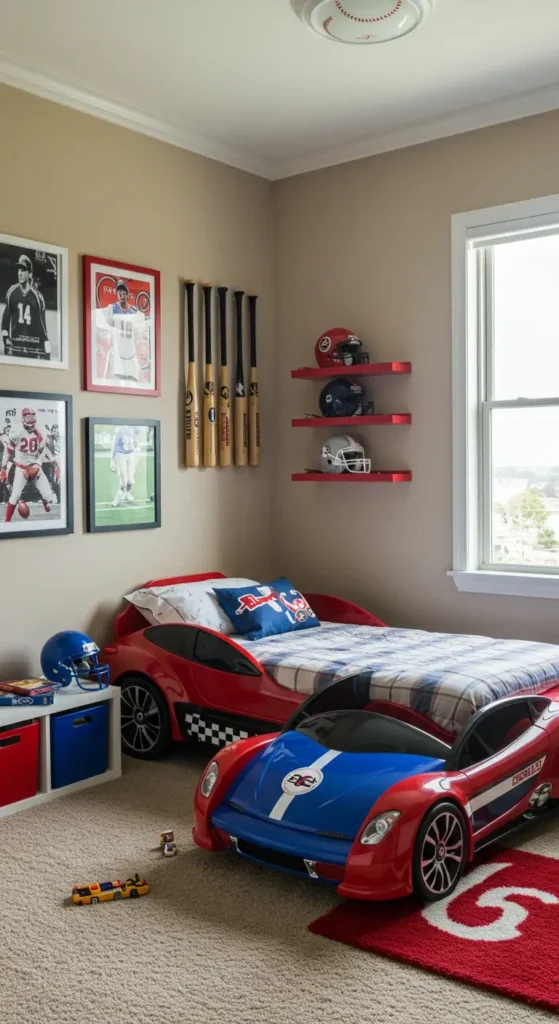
(123, 474)
(33, 303)
(122, 328)
(36, 485)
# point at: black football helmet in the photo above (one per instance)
(342, 397)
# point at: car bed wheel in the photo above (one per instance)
(144, 724)
(440, 853)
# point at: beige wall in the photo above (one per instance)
(95, 188)
(364, 245)
(367, 245)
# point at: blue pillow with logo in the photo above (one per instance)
(267, 609)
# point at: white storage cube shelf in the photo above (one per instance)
(68, 699)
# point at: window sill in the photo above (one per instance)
(507, 584)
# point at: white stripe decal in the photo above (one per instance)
(505, 786)
(281, 805)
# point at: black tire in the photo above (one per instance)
(133, 894)
(145, 722)
(440, 852)
(95, 899)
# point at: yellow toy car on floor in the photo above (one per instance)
(98, 892)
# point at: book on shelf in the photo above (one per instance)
(13, 700)
(28, 687)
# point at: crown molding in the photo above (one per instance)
(483, 115)
(20, 77)
(468, 119)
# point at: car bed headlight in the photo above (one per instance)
(379, 827)
(210, 779)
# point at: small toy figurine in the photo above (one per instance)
(170, 849)
(167, 837)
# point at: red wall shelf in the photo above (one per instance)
(363, 370)
(352, 421)
(386, 477)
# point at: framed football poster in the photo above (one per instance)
(36, 484)
(33, 303)
(123, 474)
(122, 328)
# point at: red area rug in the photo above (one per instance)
(499, 930)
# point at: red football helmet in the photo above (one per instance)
(28, 418)
(339, 347)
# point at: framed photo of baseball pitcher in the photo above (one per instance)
(122, 328)
(33, 303)
(123, 474)
(36, 485)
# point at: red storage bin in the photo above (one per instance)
(19, 762)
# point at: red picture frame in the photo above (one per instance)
(122, 327)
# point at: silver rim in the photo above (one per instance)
(442, 853)
(140, 720)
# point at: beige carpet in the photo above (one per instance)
(215, 942)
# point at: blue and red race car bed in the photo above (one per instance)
(374, 805)
(186, 682)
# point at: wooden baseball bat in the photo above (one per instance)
(253, 397)
(210, 417)
(224, 404)
(241, 420)
(192, 398)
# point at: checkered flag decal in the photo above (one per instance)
(217, 733)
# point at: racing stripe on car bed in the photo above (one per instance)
(491, 803)
(281, 805)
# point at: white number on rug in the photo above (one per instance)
(506, 927)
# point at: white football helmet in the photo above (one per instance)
(343, 454)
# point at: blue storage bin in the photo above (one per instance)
(79, 742)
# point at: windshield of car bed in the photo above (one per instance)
(365, 732)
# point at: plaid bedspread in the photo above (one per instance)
(445, 676)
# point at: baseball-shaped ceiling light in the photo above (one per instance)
(363, 21)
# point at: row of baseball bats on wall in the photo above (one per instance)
(210, 439)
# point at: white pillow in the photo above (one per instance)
(190, 603)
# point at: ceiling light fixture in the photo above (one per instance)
(362, 21)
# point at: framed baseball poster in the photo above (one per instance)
(122, 327)
(123, 474)
(36, 485)
(33, 303)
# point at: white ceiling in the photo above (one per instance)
(245, 82)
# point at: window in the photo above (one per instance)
(175, 639)
(194, 644)
(364, 732)
(218, 654)
(495, 731)
(506, 399)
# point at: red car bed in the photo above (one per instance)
(190, 682)
(182, 682)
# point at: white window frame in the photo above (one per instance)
(470, 409)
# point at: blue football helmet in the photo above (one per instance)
(71, 657)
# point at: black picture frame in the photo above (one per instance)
(60, 454)
(104, 516)
(33, 303)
